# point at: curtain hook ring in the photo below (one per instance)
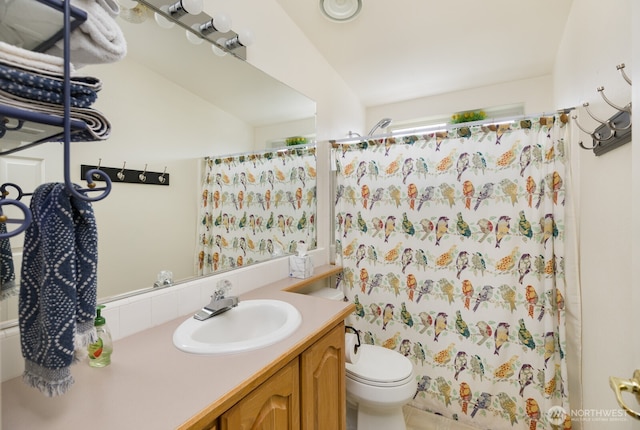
(120, 174)
(161, 178)
(143, 176)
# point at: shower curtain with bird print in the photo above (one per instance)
(255, 206)
(452, 245)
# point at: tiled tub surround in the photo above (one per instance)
(150, 383)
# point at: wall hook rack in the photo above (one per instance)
(612, 132)
(129, 176)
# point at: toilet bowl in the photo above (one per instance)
(378, 385)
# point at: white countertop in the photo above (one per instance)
(150, 384)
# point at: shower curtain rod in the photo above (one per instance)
(264, 151)
(446, 127)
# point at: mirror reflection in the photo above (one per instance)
(177, 106)
(256, 206)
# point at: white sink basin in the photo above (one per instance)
(251, 325)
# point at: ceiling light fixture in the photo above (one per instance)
(340, 10)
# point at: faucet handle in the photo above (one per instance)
(223, 287)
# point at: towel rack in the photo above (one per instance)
(67, 124)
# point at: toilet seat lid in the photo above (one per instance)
(377, 364)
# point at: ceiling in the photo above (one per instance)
(397, 50)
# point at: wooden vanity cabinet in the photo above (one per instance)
(322, 383)
(308, 393)
(274, 405)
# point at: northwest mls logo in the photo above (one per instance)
(556, 415)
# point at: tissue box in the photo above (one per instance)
(300, 267)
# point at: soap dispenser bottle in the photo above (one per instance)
(100, 351)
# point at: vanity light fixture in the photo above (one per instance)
(220, 23)
(183, 7)
(178, 9)
(243, 38)
(216, 48)
(216, 30)
(192, 36)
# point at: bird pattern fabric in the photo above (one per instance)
(255, 206)
(457, 262)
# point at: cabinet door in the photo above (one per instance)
(322, 380)
(274, 405)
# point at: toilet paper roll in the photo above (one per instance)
(351, 352)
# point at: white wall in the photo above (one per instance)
(596, 39)
(535, 95)
(158, 124)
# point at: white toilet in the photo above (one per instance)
(379, 384)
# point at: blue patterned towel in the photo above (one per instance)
(7, 273)
(57, 299)
(48, 89)
(98, 126)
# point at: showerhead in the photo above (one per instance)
(383, 123)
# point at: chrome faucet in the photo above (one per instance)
(219, 302)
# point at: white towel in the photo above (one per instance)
(99, 39)
(30, 60)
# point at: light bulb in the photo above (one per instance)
(193, 38)
(218, 51)
(244, 38)
(184, 7)
(220, 23)
(161, 20)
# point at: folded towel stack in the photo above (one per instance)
(99, 39)
(58, 283)
(34, 81)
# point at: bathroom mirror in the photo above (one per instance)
(170, 104)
